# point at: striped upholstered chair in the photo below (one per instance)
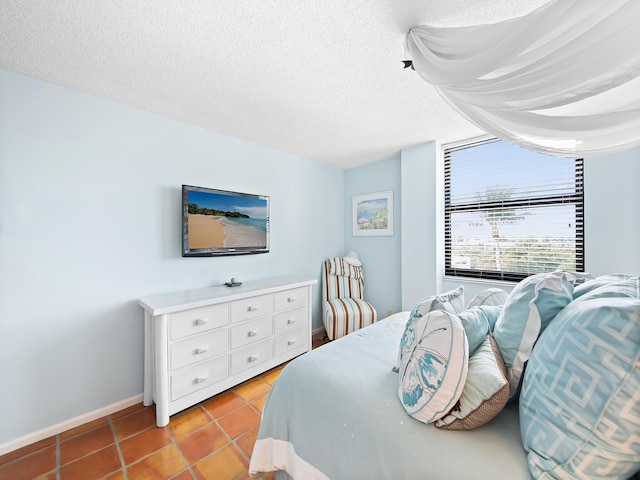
(344, 309)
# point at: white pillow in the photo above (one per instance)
(490, 296)
(433, 373)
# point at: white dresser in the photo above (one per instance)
(199, 343)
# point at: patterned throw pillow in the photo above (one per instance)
(451, 301)
(580, 401)
(531, 305)
(485, 392)
(434, 371)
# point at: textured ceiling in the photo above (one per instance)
(322, 80)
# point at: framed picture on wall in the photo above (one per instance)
(373, 214)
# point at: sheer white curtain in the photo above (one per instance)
(563, 80)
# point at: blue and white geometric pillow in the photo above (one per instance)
(580, 399)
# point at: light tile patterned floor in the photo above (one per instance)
(212, 440)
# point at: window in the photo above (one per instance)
(511, 212)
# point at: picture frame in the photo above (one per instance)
(373, 214)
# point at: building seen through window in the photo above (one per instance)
(511, 212)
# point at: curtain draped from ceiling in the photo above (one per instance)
(563, 80)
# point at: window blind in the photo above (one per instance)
(511, 212)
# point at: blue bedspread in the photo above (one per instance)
(334, 413)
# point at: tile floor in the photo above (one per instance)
(211, 440)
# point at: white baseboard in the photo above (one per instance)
(317, 330)
(77, 421)
(67, 425)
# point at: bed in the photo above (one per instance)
(334, 413)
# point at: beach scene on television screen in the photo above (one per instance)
(226, 221)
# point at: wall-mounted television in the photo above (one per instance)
(220, 222)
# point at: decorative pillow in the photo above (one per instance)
(531, 305)
(451, 301)
(477, 323)
(490, 296)
(580, 401)
(492, 313)
(485, 392)
(434, 372)
(614, 285)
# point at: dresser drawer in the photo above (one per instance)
(199, 377)
(251, 308)
(296, 297)
(202, 342)
(251, 356)
(290, 340)
(291, 320)
(251, 331)
(200, 348)
(197, 320)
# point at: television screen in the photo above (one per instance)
(219, 222)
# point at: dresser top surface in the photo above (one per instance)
(177, 301)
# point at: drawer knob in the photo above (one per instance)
(198, 351)
(291, 321)
(252, 308)
(201, 321)
(253, 358)
(200, 379)
(291, 299)
(291, 342)
(252, 333)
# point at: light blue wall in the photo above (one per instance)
(422, 215)
(612, 220)
(90, 222)
(380, 255)
(612, 213)
(612, 224)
